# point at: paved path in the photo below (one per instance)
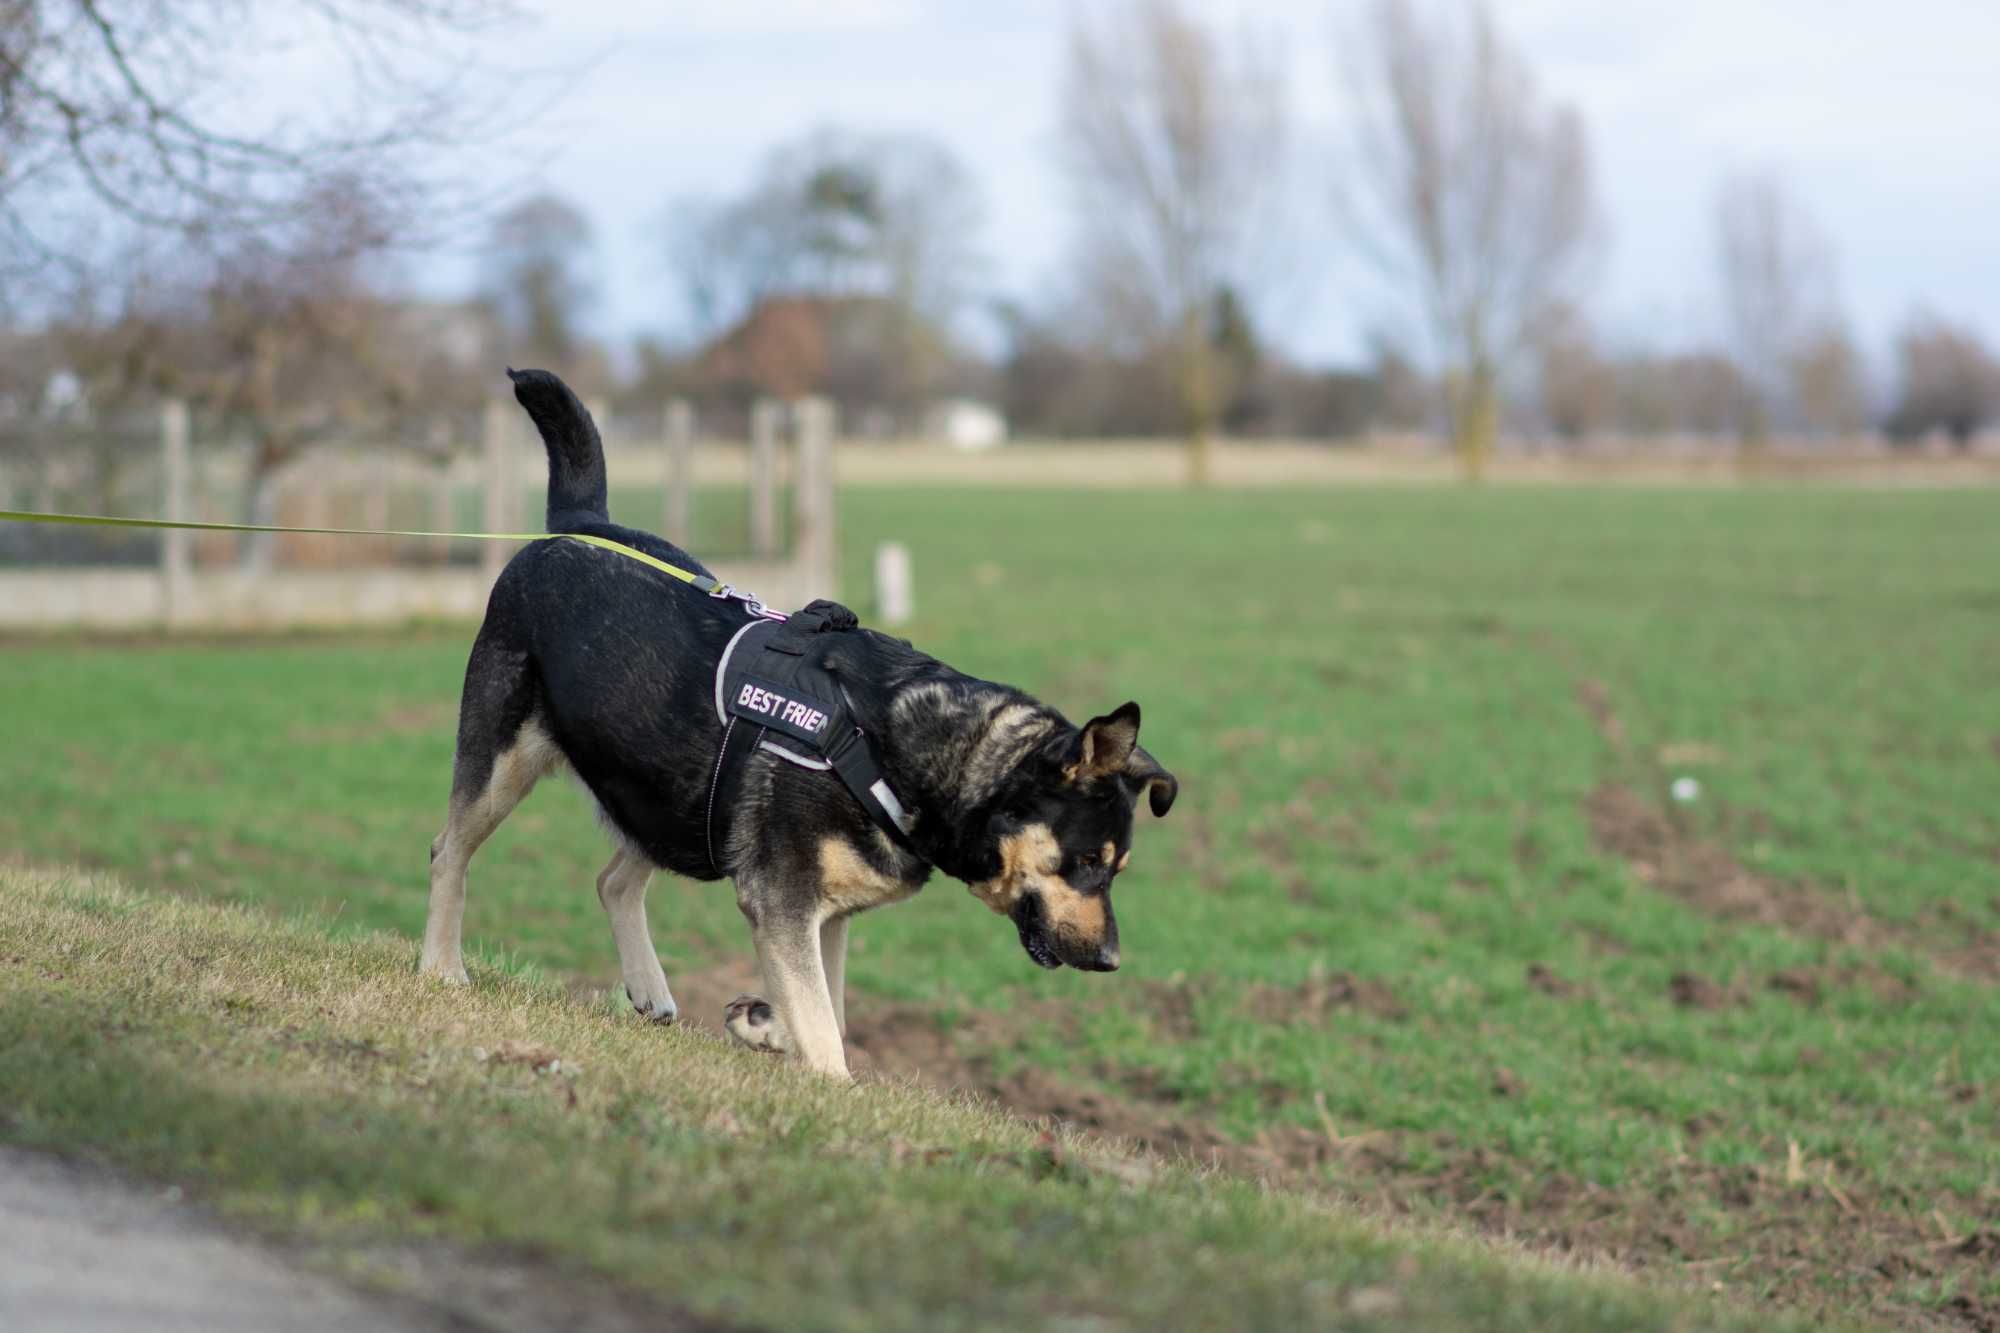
(83, 1253)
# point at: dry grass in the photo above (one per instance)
(315, 1088)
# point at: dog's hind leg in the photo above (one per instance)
(502, 751)
(622, 889)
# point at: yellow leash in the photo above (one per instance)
(699, 582)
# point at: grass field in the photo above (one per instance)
(319, 1090)
(1426, 928)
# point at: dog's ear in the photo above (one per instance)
(1105, 744)
(1159, 785)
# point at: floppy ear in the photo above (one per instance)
(1159, 785)
(1106, 744)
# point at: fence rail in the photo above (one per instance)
(56, 577)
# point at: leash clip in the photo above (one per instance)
(756, 609)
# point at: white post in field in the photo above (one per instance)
(677, 516)
(176, 564)
(895, 594)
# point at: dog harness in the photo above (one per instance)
(773, 677)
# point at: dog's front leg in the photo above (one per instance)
(788, 955)
(833, 961)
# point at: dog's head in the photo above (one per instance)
(1061, 830)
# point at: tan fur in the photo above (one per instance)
(1076, 918)
(621, 888)
(847, 883)
(1125, 860)
(1029, 861)
(469, 823)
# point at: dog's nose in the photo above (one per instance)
(1106, 960)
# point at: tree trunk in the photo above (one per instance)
(1754, 440)
(1197, 376)
(1474, 401)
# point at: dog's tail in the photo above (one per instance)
(576, 454)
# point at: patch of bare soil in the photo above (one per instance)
(1690, 990)
(1596, 701)
(1319, 995)
(1703, 874)
(1541, 978)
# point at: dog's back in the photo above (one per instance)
(590, 656)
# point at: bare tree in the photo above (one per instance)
(280, 338)
(122, 107)
(1470, 191)
(537, 277)
(1775, 272)
(1172, 139)
(1950, 381)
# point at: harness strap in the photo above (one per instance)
(715, 781)
(853, 760)
(772, 675)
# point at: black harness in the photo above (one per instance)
(773, 677)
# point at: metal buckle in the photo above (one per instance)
(756, 608)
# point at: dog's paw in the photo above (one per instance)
(658, 1008)
(755, 1024)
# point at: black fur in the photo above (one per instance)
(615, 662)
(577, 485)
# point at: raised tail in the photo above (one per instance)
(576, 454)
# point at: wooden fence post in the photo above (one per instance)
(443, 513)
(176, 567)
(375, 509)
(500, 498)
(766, 419)
(677, 513)
(814, 550)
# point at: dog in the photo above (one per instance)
(590, 659)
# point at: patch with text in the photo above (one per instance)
(792, 712)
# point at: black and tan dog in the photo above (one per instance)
(590, 658)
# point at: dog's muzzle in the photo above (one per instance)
(1048, 949)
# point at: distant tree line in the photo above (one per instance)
(257, 273)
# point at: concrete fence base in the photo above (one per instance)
(131, 599)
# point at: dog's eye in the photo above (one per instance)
(1088, 859)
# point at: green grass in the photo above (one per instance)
(318, 1089)
(1379, 704)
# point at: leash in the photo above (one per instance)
(699, 582)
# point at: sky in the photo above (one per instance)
(1882, 118)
